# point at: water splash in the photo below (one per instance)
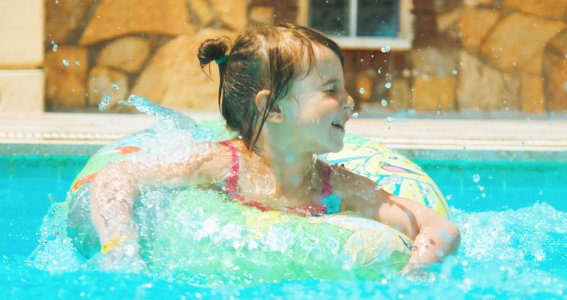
(103, 104)
(168, 119)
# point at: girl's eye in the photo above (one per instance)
(331, 90)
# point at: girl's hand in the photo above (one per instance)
(434, 236)
(123, 257)
(419, 272)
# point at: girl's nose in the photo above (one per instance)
(349, 103)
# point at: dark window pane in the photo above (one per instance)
(378, 18)
(329, 16)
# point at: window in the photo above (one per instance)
(362, 24)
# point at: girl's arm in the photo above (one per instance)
(115, 187)
(434, 236)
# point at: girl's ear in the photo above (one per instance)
(262, 98)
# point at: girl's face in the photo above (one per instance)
(317, 107)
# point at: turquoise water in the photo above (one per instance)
(511, 214)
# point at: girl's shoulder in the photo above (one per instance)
(216, 159)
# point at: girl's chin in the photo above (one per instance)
(336, 147)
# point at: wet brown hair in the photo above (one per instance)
(267, 57)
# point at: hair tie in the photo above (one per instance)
(221, 59)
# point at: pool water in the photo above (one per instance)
(511, 214)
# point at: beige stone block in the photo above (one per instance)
(175, 79)
(66, 74)
(203, 11)
(262, 15)
(21, 34)
(543, 8)
(63, 17)
(475, 25)
(21, 90)
(519, 39)
(114, 18)
(555, 73)
(532, 98)
(434, 61)
(433, 94)
(128, 54)
(105, 82)
(233, 14)
(482, 87)
(399, 95)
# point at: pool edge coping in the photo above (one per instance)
(82, 133)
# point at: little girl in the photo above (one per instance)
(282, 89)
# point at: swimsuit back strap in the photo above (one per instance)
(231, 181)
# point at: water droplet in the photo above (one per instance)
(385, 49)
(65, 63)
(476, 178)
(455, 72)
(384, 102)
(354, 115)
(361, 91)
(115, 86)
(380, 70)
(104, 103)
(78, 63)
(388, 85)
(54, 46)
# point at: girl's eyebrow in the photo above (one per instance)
(330, 81)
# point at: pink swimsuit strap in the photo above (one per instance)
(327, 189)
(231, 188)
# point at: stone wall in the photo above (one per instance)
(467, 55)
(493, 55)
(102, 51)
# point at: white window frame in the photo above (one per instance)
(401, 42)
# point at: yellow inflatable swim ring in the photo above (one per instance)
(390, 170)
(195, 229)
